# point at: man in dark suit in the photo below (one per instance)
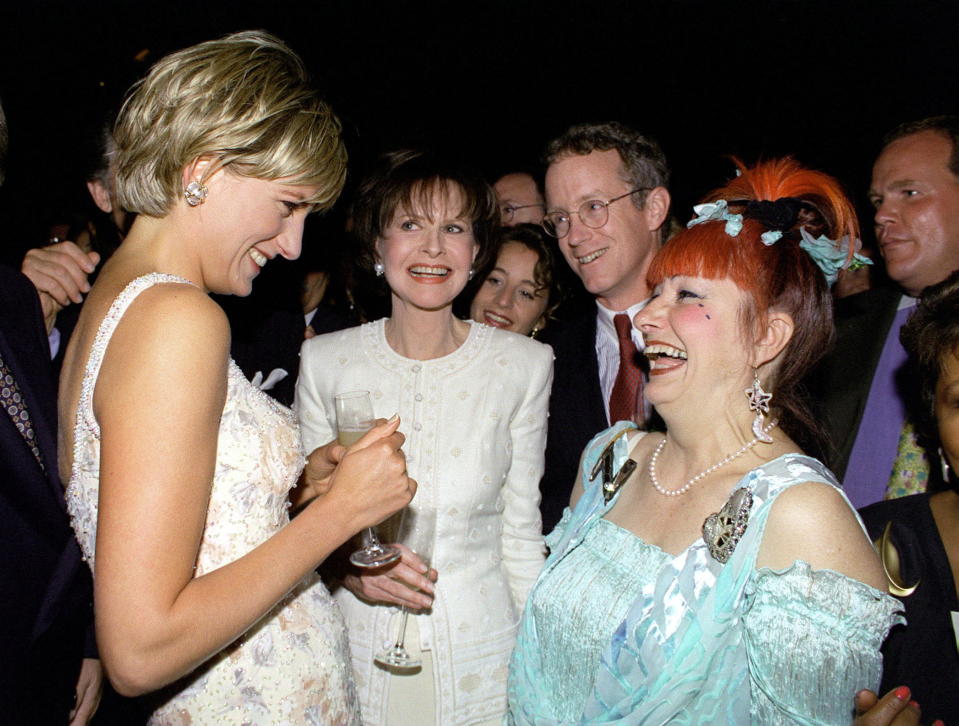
(607, 204)
(46, 607)
(862, 388)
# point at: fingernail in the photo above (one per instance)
(392, 418)
(915, 705)
(938, 722)
(902, 693)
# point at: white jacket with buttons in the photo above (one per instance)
(475, 426)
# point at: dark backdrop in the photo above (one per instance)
(821, 79)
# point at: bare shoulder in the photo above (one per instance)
(170, 333)
(813, 522)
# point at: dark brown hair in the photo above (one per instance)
(407, 180)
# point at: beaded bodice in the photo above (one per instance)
(291, 666)
(248, 501)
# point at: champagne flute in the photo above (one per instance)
(354, 417)
(417, 531)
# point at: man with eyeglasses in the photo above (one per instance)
(606, 204)
(519, 199)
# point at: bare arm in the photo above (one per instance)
(162, 393)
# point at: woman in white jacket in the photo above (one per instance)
(473, 402)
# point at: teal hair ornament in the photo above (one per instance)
(717, 211)
(831, 256)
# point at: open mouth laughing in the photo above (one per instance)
(663, 357)
(258, 257)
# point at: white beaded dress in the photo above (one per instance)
(291, 667)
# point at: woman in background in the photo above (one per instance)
(918, 535)
(519, 290)
(473, 400)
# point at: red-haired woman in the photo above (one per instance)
(716, 574)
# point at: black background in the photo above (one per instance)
(495, 80)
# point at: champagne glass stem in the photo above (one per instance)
(401, 636)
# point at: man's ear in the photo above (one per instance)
(656, 207)
(774, 337)
(101, 196)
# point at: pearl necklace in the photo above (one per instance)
(703, 474)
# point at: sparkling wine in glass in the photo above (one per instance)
(354, 417)
(418, 532)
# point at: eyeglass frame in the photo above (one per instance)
(579, 214)
(510, 209)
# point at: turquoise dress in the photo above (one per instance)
(619, 631)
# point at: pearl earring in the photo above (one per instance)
(379, 268)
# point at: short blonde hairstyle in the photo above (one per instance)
(246, 101)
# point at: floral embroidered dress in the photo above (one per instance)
(619, 631)
(291, 667)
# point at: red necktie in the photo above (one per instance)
(628, 386)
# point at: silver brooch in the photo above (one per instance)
(722, 530)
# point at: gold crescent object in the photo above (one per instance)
(890, 564)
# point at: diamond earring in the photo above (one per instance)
(195, 193)
(759, 402)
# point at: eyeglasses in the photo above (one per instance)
(508, 210)
(594, 213)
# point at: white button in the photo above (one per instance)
(417, 426)
(418, 396)
(416, 368)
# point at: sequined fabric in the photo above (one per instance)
(292, 667)
(703, 642)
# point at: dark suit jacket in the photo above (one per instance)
(46, 607)
(839, 385)
(576, 410)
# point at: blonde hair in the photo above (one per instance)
(246, 101)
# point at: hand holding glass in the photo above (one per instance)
(354, 417)
(417, 531)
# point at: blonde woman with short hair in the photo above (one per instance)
(179, 470)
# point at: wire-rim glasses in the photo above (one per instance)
(593, 213)
(508, 210)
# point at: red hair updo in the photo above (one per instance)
(774, 196)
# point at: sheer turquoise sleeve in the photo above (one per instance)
(812, 641)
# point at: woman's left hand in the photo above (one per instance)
(407, 582)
